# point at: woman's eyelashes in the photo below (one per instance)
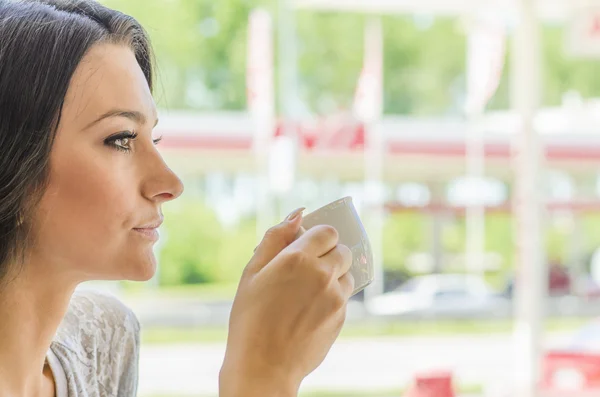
(123, 141)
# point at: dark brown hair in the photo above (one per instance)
(41, 44)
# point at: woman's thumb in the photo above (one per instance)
(276, 239)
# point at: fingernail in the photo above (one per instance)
(291, 217)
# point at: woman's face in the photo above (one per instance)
(98, 217)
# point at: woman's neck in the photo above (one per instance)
(32, 307)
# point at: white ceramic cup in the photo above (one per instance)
(342, 215)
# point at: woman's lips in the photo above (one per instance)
(150, 233)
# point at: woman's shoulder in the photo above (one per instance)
(98, 325)
(98, 343)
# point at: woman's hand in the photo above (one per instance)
(288, 311)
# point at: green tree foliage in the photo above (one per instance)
(403, 235)
(192, 244)
(197, 249)
(201, 51)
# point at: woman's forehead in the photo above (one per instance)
(107, 78)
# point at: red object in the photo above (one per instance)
(559, 281)
(338, 133)
(595, 30)
(432, 384)
(571, 374)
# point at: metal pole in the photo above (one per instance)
(264, 203)
(261, 107)
(288, 64)
(288, 94)
(437, 224)
(576, 264)
(375, 217)
(475, 212)
(374, 156)
(485, 61)
(531, 276)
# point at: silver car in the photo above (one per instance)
(441, 296)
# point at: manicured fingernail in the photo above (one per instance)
(291, 217)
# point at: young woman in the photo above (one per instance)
(81, 190)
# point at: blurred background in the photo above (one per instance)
(417, 110)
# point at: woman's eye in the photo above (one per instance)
(122, 141)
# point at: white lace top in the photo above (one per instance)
(96, 350)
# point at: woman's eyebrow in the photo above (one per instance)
(133, 115)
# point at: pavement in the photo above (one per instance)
(367, 365)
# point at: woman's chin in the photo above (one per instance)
(139, 270)
(133, 267)
(144, 272)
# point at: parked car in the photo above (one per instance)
(560, 284)
(440, 295)
(392, 279)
